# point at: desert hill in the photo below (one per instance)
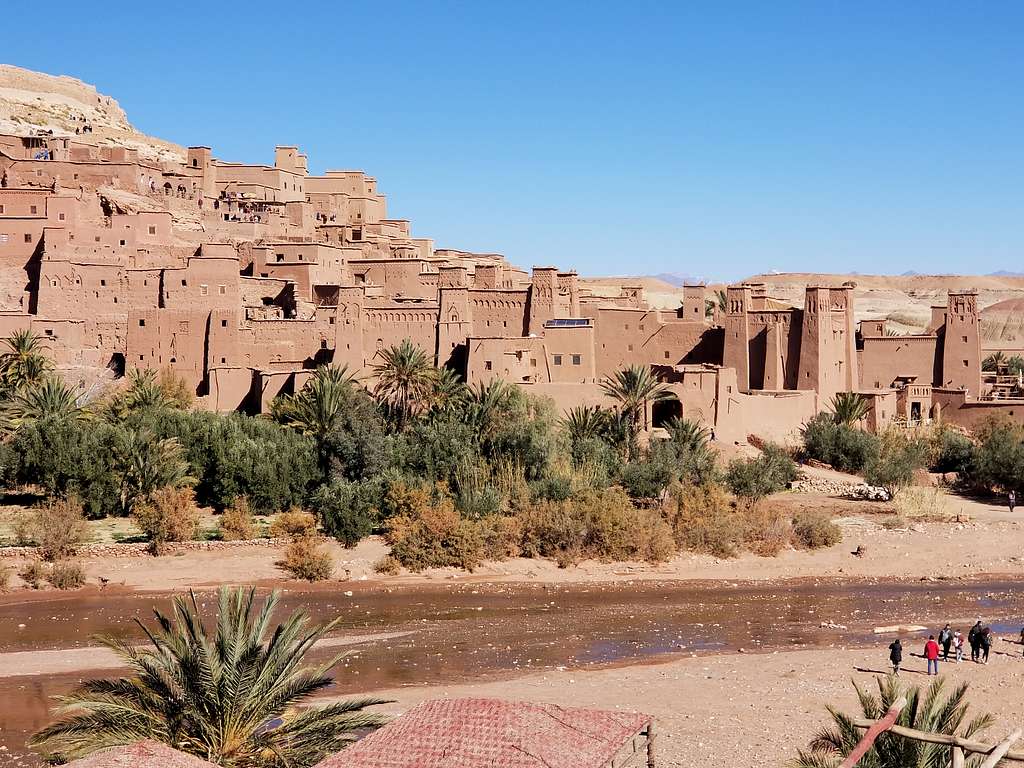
(34, 102)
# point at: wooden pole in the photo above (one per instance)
(876, 729)
(997, 754)
(650, 744)
(966, 745)
(957, 760)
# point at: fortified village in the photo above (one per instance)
(242, 279)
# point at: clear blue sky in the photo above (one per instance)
(715, 139)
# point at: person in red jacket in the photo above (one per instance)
(931, 652)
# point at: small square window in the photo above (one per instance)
(221, 290)
(33, 209)
(142, 323)
(223, 323)
(630, 347)
(103, 282)
(668, 354)
(28, 238)
(533, 362)
(204, 290)
(964, 339)
(60, 216)
(487, 365)
(558, 360)
(122, 242)
(331, 320)
(152, 230)
(323, 343)
(184, 283)
(577, 359)
(967, 363)
(1, 209)
(49, 331)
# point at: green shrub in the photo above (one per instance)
(66, 575)
(233, 455)
(899, 457)
(304, 558)
(842, 446)
(347, 510)
(753, 479)
(951, 451)
(998, 461)
(813, 530)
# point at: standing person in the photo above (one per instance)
(973, 639)
(1012, 500)
(896, 655)
(985, 640)
(931, 652)
(945, 640)
(958, 645)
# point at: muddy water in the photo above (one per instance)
(461, 632)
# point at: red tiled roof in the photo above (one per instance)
(484, 733)
(141, 754)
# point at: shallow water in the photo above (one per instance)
(462, 632)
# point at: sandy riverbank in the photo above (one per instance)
(744, 710)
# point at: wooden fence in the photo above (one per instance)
(959, 747)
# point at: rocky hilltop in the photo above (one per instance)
(34, 102)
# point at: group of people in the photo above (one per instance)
(979, 640)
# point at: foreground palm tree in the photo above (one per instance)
(633, 388)
(24, 363)
(848, 408)
(227, 694)
(50, 398)
(449, 393)
(405, 380)
(929, 710)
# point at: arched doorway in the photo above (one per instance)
(663, 411)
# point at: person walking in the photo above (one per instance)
(896, 655)
(985, 641)
(931, 652)
(974, 640)
(1011, 499)
(945, 640)
(958, 645)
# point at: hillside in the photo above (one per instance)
(31, 102)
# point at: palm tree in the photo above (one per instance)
(146, 464)
(848, 408)
(1015, 365)
(450, 391)
(721, 303)
(993, 362)
(929, 711)
(632, 388)
(688, 434)
(317, 407)
(488, 402)
(585, 422)
(405, 380)
(228, 694)
(24, 362)
(50, 398)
